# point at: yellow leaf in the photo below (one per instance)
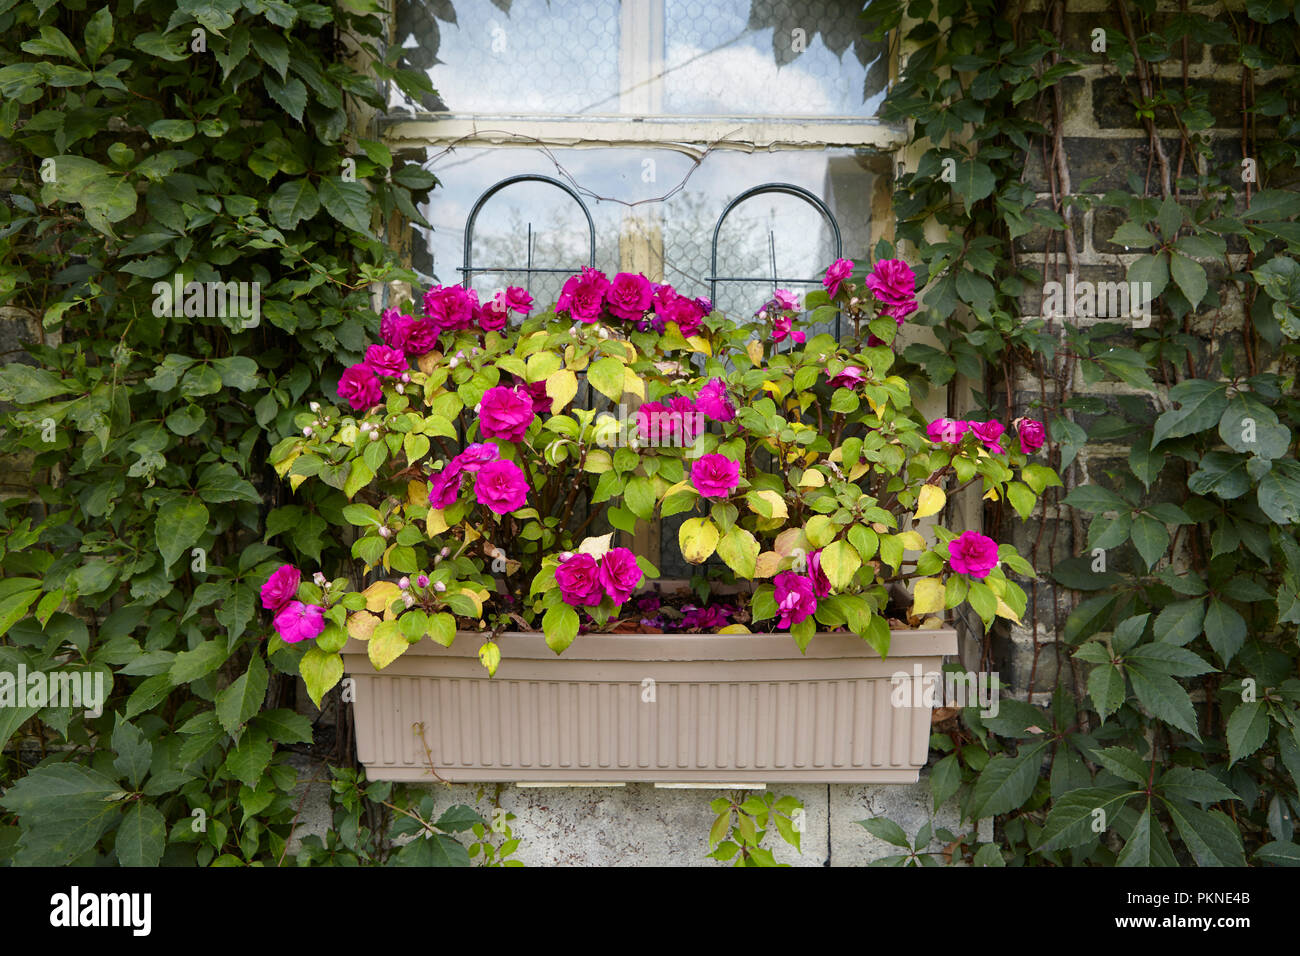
(1004, 611)
(779, 509)
(417, 492)
(754, 349)
(489, 655)
(912, 540)
(362, 624)
(734, 629)
(475, 596)
(930, 502)
(435, 522)
(773, 388)
(812, 478)
(991, 494)
(699, 344)
(598, 546)
(381, 594)
(576, 359)
(285, 464)
(769, 563)
(598, 461)
(927, 596)
(697, 538)
(387, 644)
(858, 470)
(561, 387)
(429, 361)
(295, 481)
(633, 383)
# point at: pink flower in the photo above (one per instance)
(583, 296)
(451, 307)
(422, 581)
(394, 328)
(713, 401)
(893, 282)
(505, 413)
(628, 296)
(359, 387)
(851, 377)
(501, 486)
(494, 314)
(795, 598)
(990, 433)
(518, 300)
(385, 361)
(787, 299)
(672, 307)
(537, 391)
(689, 418)
(619, 574)
(421, 337)
(782, 328)
(1031, 433)
(973, 553)
(444, 486)
(947, 430)
(714, 475)
(477, 455)
(655, 424)
(579, 581)
(840, 270)
(708, 618)
(280, 587)
(299, 622)
(821, 584)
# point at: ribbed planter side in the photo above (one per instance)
(647, 707)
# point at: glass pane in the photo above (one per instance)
(735, 58)
(770, 57)
(511, 56)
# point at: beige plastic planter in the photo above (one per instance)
(680, 708)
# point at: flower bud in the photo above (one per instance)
(762, 313)
(408, 598)
(453, 363)
(314, 406)
(445, 552)
(439, 586)
(384, 532)
(404, 583)
(401, 389)
(603, 333)
(406, 376)
(307, 432)
(319, 578)
(566, 555)
(374, 435)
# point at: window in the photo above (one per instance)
(657, 114)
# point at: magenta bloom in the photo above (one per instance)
(713, 401)
(421, 337)
(840, 270)
(501, 486)
(394, 328)
(505, 413)
(714, 475)
(672, 307)
(299, 622)
(518, 300)
(1032, 435)
(619, 574)
(990, 433)
(946, 430)
(537, 391)
(893, 282)
(851, 377)
(658, 425)
(708, 618)
(787, 299)
(782, 327)
(973, 553)
(494, 314)
(821, 584)
(385, 361)
(795, 598)
(444, 486)
(280, 587)
(628, 296)
(451, 307)
(359, 387)
(689, 418)
(583, 296)
(579, 581)
(475, 456)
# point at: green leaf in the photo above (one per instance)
(284, 726)
(887, 830)
(560, 625)
(1150, 537)
(1211, 837)
(1202, 404)
(1187, 783)
(1225, 629)
(840, 561)
(141, 835)
(99, 34)
(1189, 276)
(242, 699)
(249, 759)
(458, 818)
(1137, 851)
(607, 375)
(1006, 782)
(1180, 622)
(1247, 730)
(1069, 822)
(64, 809)
(349, 203)
(203, 660)
(320, 671)
(1164, 697)
(1153, 269)
(134, 753)
(291, 95)
(739, 549)
(293, 202)
(181, 522)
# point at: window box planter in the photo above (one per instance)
(647, 707)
